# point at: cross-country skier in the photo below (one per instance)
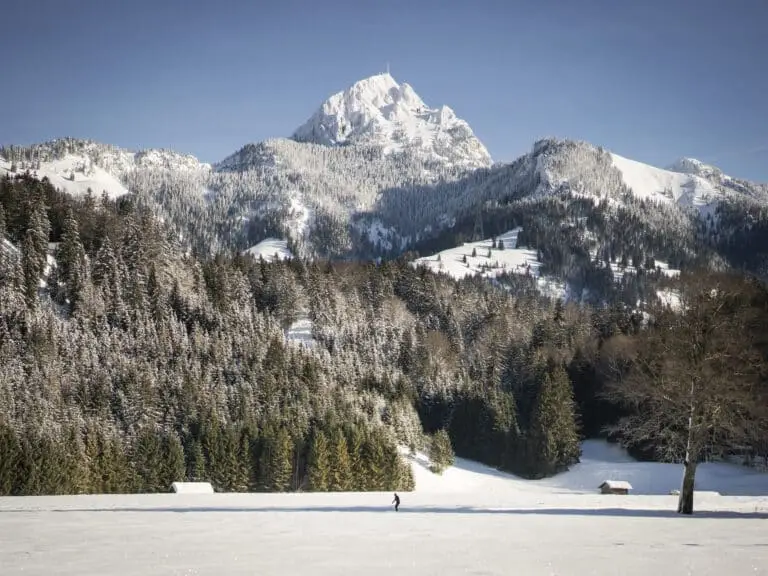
(396, 501)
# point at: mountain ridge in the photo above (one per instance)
(379, 187)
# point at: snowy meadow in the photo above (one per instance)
(469, 520)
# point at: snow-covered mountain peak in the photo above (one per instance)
(694, 167)
(378, 111)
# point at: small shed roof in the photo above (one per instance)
(616, 485)
(192, 488)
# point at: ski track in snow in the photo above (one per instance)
(470, 520)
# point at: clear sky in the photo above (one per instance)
(650, 79)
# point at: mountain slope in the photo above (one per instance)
(735, 186)
(379, 112)
(648, 182)
(73, 173)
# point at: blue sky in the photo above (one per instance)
(652, 80)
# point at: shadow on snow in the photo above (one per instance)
(617, 512)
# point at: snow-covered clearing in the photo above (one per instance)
(460, 263)
(300, 333)
(270, 249)
(470, 520)
(661, 267)
(86, 175)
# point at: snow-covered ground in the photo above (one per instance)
(270, 249)
(470, 520)
(60, 173)
(300, 333)
(666, 186)
(661, 267)
(459, 262)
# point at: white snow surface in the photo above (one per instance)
(510, 259)
(271, 249)
(192, 488)
(470, 520)
(300, 333)
(378, 111)
(666, 186)
(86, 175)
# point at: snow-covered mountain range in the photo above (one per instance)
(375, 172)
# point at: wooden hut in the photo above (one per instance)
(615, 487)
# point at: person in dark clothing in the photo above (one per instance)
(396, 501)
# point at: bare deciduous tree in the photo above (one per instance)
(692, 382)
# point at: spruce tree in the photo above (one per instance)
(357, 467)
(341, 472)
(70, 261)
(440, 451)
(319, 463)
(554, 436)
(174, 467)
(149, 462)
(35, 253)
(276, 463)
(10, 456)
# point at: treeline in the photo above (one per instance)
(233, 457)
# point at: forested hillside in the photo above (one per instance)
(127, 362)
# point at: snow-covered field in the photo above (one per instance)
(60, 173)
(270, 249)
(510, 259)
(470, 520)
(491, 262)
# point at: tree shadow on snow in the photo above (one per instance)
(615, 512)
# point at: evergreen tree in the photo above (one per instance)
(70, 261)
(319, 469)
(276, 463)
(553, 435)
(340, 478)
(440, 451)
(149, 462)
(35, 253)
(174, 466)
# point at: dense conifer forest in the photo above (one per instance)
(128, 361)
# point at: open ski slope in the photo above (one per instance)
(470, 520)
